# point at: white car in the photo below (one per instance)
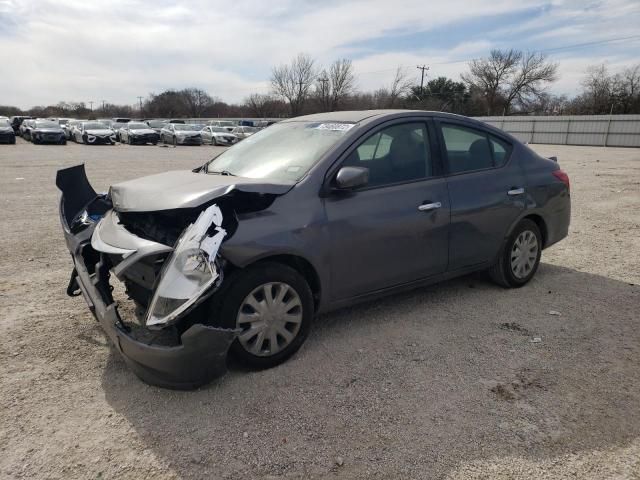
(91, 133)
(138, 133)
(244, 132)
(218, 136)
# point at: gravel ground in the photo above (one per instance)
(441, 382)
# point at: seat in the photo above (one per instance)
(479, 155)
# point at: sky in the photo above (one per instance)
(117, 50)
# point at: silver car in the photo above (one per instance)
(138, 133)
(244, 132)
(218, 136)
(92, 133)
(180, 134)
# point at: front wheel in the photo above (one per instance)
(175, 142)
(272, 306)
(520, 256)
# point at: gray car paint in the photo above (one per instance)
(363, 243)
(396, 244)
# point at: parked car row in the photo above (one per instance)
(124, 130)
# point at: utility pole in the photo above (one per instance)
(140, 100)
(103, 102)
(324, 92)
(91, 104)
(422, 68)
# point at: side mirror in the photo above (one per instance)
(350, 178)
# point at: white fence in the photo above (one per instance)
(594, 130)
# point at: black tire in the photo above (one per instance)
(175, 141)
(13, 140)
(63, 141)
(501, 272)
(129, 141)
(214, 141)
(226, 303)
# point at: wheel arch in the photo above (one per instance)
(542, 226)
(300, 264)
(536, 218)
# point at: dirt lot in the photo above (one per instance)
(443, 382)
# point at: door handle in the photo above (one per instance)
(516, 191)
(425, 207)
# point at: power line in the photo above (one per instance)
(555, 49)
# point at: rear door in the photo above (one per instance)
(394, 230)
(486, 190)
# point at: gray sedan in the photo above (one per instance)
(311, 214)
(180, 134)
(218, 136)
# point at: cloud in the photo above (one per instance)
(117, 50)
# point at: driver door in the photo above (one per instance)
(394, 230)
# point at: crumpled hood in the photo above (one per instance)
(184, 189)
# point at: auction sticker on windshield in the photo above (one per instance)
(341, 127)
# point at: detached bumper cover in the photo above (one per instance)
(201, 355)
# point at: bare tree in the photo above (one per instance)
(263, 105)
(334, 86)
(490, 76)
(534, 72)
(196, 101)
(387, 97)
(628, 89)
(293, 82)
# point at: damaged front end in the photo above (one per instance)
(169, 282)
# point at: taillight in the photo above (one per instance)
(563, 177)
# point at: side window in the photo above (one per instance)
(399, 153)
(501, 151)
(467, 149)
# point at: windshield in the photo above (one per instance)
(4, 122)
(219, 129)
(157, 124)
(95, 126)
(178, 126)
(283, 152)
(137, 126)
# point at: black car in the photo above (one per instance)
(45, 131)
(7, 135)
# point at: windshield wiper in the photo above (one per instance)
(222, 172)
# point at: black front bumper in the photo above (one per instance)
(202, 351)
(7, 137)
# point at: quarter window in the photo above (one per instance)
(469, 149)
(399, 153)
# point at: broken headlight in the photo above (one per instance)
(190, 270)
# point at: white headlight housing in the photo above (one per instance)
(189, 271)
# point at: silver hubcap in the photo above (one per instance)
(270, 318)
(524, 254)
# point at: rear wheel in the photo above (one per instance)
(520, 256)
(175, 142)
(272, 305)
